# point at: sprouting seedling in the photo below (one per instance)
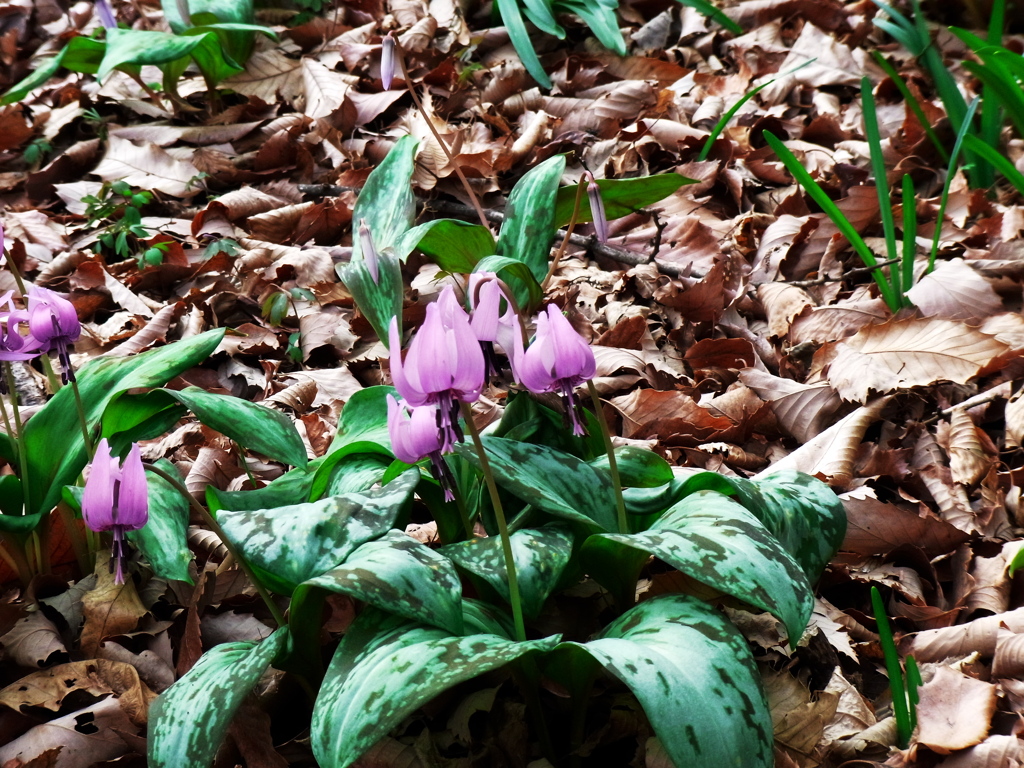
(903, 687)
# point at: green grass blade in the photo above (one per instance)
(909, 233)
(513, 21)
(1000, 163)
(991, 109)
(953, 158)
(892, 666)
(912, 103)
(707, 9)
(881, 182)
(913, 683)
(817, 194)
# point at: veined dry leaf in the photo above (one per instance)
(837, 321)
(853, 715)
(34, 227)
(905, 353)
(650, 413)
(33, 642)
(994, 752)
(278, 224)
(954, 291)
(156, 673)
(876, 528)
(334, 385)
(781, 235)
(269, 73)
(1009, 656)
(148, 167)
(1015, 418)
(324, 88)
(233, 627)
(832, 455)
(832, 63)
(954, 711)
(951, 498)
(798, 717)
(823, 619)
(783, 303)
(803, 410)
(109, 608)
(153, 331)
(968, 461)
(165, 135)
(978, 636)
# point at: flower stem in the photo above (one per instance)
(15, 555)
(499, 514)
(460, 502)
(26, 486)
(613, 466)
(232, 550)
(568, 234)
(81, 418)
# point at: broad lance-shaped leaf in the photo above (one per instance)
(187, 722)
(692, 672)
(293, 544)
(163, 540)
(400, 575)
(540, 554)
(386, 200)
(381, 299)
(99, 381)
(385, 668)
(621, 197)
(556, 482)
(713, 539)
(529, 223)
(252, 426)
(452, 244)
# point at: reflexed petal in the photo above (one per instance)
(45, 307)
(486, 308)
(427, 366)
(573, 358)
(470, 370)
(415, 435)
(133, 498)
(98, 496)
(398, 378)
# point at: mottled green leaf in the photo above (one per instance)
(357, 472)
(296, 543)
(454, 245)
(362, 428)
(379, 300)
(99, 381)
(540, 554)
(400, 575)
(386, 200)
(556, 482)
(713, 539)
(694, 675)
(638, 467)
(621, 197)
(163, 540)
(251, 425)
(187, 722)
(529, 224)
(385, 668)
(290, 488)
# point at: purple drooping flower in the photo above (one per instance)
(414, 436)
(558, 360)
(53, 321)
(369, 251)
(597, 208)
(116, 499)
(489, 323)
(13, 344)
(444, 364)
(387, 61)
(106, 14)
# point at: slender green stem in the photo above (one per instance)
(568, 234)
(499, 515)
(613, 465)
(16, 552)
(944, 198)
(460, 502)
(26, 486)
(245, 464)
(228, 544)
(80, 406)
(909, 235)
(892, 667)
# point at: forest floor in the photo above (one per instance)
(732, 326)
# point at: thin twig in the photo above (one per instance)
(847, 274)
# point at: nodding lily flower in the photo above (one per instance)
(489, 323)
(414, 436)
(14, 345)
(116, 499)
(444, 364)
(106, 14)
(387, 60)
(53, 321)
(369, 251)
(597, 208)
(558, 360)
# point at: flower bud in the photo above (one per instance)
(387, 61)
(597, 208)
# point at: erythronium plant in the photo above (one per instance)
(525, 511)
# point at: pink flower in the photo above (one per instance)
(53, 321)
(106, 14)
(489, 323)
(415, 436)
(444, 364)
(116, 499)
(597, 208)
(14, 345)
(558, 360)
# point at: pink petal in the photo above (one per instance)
(98, 497)
(133, 498)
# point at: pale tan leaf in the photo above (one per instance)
(798, 717)
(334, 385)
(268, 74)
(79, 746)
(109, 608)
(153, 331)
(33, 641)
(905, 353)
(147, 167)
(1008, 327)
(968, 461)
(324, 88)
(832, 455)
(837, 322)
(781, 235)
(951, 498)
(783, 303)
(803, 410)
(278, 225)
(994, 752)
(1009, 656)
(853, 715)
(831, 63)
(978, 636)
(1015, 418)
(954, 291)
(165, 135)
(954, 711)
(34, 227)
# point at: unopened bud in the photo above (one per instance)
(106, 14)
(387, 61)
(597, 208)
(369, 251)
(185, 12)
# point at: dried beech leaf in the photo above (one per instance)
(86, 737)
(803, 410)
(954, 291)
(33, 642)
(148, 167)
(783, 303)
(978, 636)
(954, 711)
(968, 461)
(876, 528)
(109, 608)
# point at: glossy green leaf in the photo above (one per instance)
(556, 482)
(512, 18)
(541, 15)
(362, 428)
(638, 467)
(131, 417)
(526, 289)
(379, 300)
(454, 245)
(621, 197)
(290, 488)
(99, 381)
(163, 540)
(386, 200)
(529, 224)
(694, 675)
(714, 540)
(602, 20)
(255, 427)
(540, 554)
(81, 54)
(400, 575)
(297, 543)
(385, 668)
(238, 44)
(357, 472)
(136, 47)
(12, 500)
(187, 722)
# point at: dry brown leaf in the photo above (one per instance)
(951, 498)
(147, 167)
(837, 321)
(978, 636)
(1015, 418)
(853, 714)
(109, 608)
(876, 528)
(967, 459)
(33, 641)
(798, 716)
(954, 711)
(905, 353)
(803, 410)
(324, 88)
(153, 331)
(267, 74)
(954, 291)
(783, 303)
(994, 752)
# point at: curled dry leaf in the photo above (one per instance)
(978, 636)
(109, 609)
(1009, 657)
(968, 461)
(803, 410)
(994, 752)
(875, 527)
(799, 718)
(954, 711)
(951, 498)
(954, 291)
(1015, 419)
(33, 642)
(783, 303)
